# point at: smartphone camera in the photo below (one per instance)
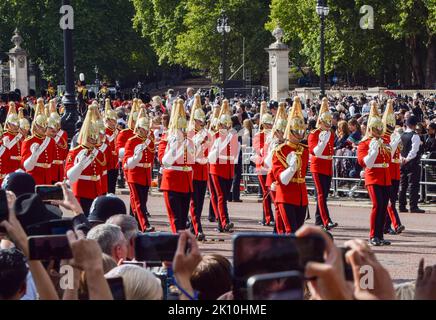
(49, 193)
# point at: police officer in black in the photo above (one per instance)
(410, 167)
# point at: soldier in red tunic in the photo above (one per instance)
(12, 138)
(110, 120)
(375, 156)
(38, 150)
(84, 167)
(4, 158)
(138, 163)
(60, 138)
(177, 171)
(24, 124)
(201, 139)
(259, 142)
(393, 138)
(321, 143)
(213, 215)
(223, 156)
(273, 141)
(289, 168)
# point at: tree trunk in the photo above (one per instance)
(430, 67)
(418, 76)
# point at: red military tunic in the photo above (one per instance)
(295, 192)
(141, 174)
(122, 138)
(103, 155)
(112, 158)
(4, 160)
(380, 175)
(88, 186)
(395, 164)
(42, 172)
(260, 147)
(61, 151)
(324, 164)
(201, 171)
(224, 167)
(13, 142)
(178, 177)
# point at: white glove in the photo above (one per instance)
(362, 174)
(268, 159)
(121, 153)
(30, 162)
(273, 186)
(74, 173)
(213, 154)
(172, 153)
(374, 147)
(287, 175)
(395, 141)
(324, 138)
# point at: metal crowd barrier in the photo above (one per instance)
(343, 186)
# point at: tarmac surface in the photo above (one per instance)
(401, 258)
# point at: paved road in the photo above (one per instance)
(401, 259)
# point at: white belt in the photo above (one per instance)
(18, 158)
(90, 178)
(226, 158)
(43, 165)
(381, 165)
(325, 157)
(186, 168)
(143, 165)
(58, 162)
(396, 161)
(104, 172)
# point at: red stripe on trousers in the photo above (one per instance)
(136, 204)
(287, 225)
(322, 205)
(280, 226)
(170, 212)
(213, 199)
(220, 201)
(374, 209)
(265, 200)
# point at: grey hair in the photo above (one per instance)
(127, 223)
(107, 235)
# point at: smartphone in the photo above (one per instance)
(135, 263)
(49, 248)
(156, 247)
(4, 209)
(347, 268)
(256, 254)
(288, 285)
(48, 193)
(117, 288)
(52, 227)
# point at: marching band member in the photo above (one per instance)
(289, 166)
(374, 156)
(393, 138)
(4, 158)
(12, 138)
(274, 140)
(138, 163)
(83, 168)
(24, 123)
(213, 215)
(60, 138)
(200, 167)
(110, 120)
(259, 144)
(321, 143)
(223, 155)
(177, 172)
(38, 150)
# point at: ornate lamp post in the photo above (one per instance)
(322, 10)
(223, 28)
(70, 116)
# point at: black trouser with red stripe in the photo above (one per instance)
(380, 198)
(222, 188)
(213, 214)
(177, 204)
(197, 202)
(112, 180)
(322, 185)
(392, 216)
(266, 201)
(139, 198)
(293, 216)
(279, 227)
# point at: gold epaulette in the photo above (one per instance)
(280, 156)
